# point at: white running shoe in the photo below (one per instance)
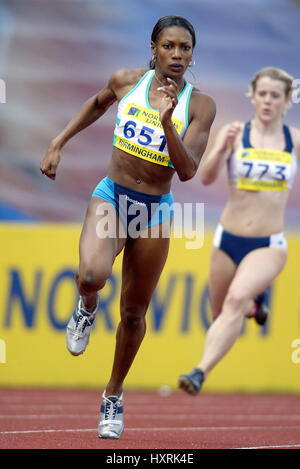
(111, 423)
(79, 328)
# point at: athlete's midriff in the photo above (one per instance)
(140, 175)
(252, 213)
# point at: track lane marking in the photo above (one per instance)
(157, 429)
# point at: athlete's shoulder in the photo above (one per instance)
(126, 77)
(202, 98)
(295, 134)
(202, 104)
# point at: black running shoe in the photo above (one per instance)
(262, 311)
(192, 382)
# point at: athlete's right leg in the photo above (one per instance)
(99, 245)
(222, 271)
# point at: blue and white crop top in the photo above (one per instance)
(138, 130)
(258, 169)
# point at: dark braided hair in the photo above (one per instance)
(167, 22)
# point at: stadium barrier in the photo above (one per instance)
(38, 295)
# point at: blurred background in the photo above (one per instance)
(54, 55)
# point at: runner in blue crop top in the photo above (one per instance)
(249, 248)
(162, 127)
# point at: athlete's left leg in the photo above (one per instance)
(143, 262)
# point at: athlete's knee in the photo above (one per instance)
(76, 274)
(134, 317)
(215, 314)
(91, 280)
(235, 302)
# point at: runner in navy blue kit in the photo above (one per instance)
(162, 128)
(249, 246)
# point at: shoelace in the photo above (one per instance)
(110, 409)
(81, 323)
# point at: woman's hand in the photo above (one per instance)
(230, 135)
(221, 151)
(169, 100)
(50, 162)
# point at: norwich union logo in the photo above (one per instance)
(133, 111)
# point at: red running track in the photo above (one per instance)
(67, 419)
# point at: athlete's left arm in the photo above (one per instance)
(186, 154)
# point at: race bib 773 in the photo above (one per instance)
(263, 170)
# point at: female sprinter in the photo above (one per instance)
(249, 247)
(162, 127)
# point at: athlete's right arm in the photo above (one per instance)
(91, 110)
(223, 148)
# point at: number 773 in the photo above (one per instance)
(279, 173)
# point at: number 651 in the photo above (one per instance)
(144, 136)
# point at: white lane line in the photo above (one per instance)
(48, 416)
(159, 429)
(270, 447)
(66, 430)
(185, 408)
(243, 417)
(195, 405)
